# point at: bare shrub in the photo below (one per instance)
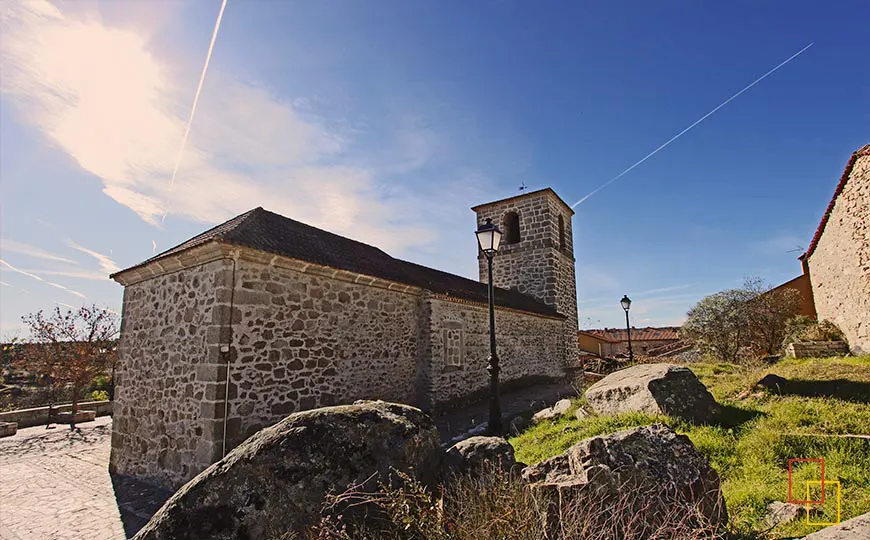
(501, 505)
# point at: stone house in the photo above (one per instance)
(263, 316)
(837, 260)
(607, 342)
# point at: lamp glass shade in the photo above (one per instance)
(626, 302)
(488, 236)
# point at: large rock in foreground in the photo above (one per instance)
(277, 480)
(853, 529)
(645, 469)
(654, 389)
(479, 455)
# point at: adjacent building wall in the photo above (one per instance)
(804, 287)
(527, 346)
(840, 263)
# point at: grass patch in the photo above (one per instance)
(750, 443)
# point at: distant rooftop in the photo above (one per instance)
(649, 333)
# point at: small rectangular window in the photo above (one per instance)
(453, 347)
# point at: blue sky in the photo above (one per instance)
(385, 121)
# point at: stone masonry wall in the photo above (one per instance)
(527, 345)
(537, 265)
(816, 349)
(168, 365)
(840, 264)
(304, 341)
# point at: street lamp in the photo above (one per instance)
(489, 237)
(626, 304)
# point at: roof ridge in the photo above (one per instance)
(320, 230)
(841, 185)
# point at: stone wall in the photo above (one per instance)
(168, 374)
(304, 340)
(540, 264)
(527, 346)
(37, 416)
(816, 349)
(840, 264)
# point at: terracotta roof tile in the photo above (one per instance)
(616, 335)
(861, 152)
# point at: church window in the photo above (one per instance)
(511, 228)
(453, 345)
(561, 233)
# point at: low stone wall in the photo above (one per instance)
(7, 429)
(816, 349)
(38, 415)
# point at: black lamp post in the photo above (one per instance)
(489, 237)
(626, 304)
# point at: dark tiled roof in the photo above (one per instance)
(863, 151)
(266, 231)
(616, 335)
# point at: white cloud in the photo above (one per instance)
(41, 280)
(31, 251)
(99, 94)
(93, 275)
(107, 265)
(662, 289)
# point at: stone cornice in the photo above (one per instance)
(195, 256)
(456, 300)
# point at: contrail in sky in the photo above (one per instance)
(217, 26)
(698, 121)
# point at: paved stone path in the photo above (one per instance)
(55, 485)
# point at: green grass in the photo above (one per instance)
(750, 443)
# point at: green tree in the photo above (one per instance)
(749, 320)
(718, 324)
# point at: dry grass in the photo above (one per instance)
(498, 505)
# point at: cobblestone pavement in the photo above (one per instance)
(55, 484)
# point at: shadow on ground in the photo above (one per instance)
(844, 389)
(733, 417)
(137, 501)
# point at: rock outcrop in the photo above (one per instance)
(852, 529)
(551, 413)
(277, 480)
(654, 389)
(479, 455)
(779, 512)
(649, 466)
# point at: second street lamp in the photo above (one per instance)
(626, 304)
(489, 238)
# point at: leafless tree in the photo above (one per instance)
(69, 347)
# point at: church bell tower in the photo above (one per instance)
(536, 256)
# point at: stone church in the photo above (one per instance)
(262, 316)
